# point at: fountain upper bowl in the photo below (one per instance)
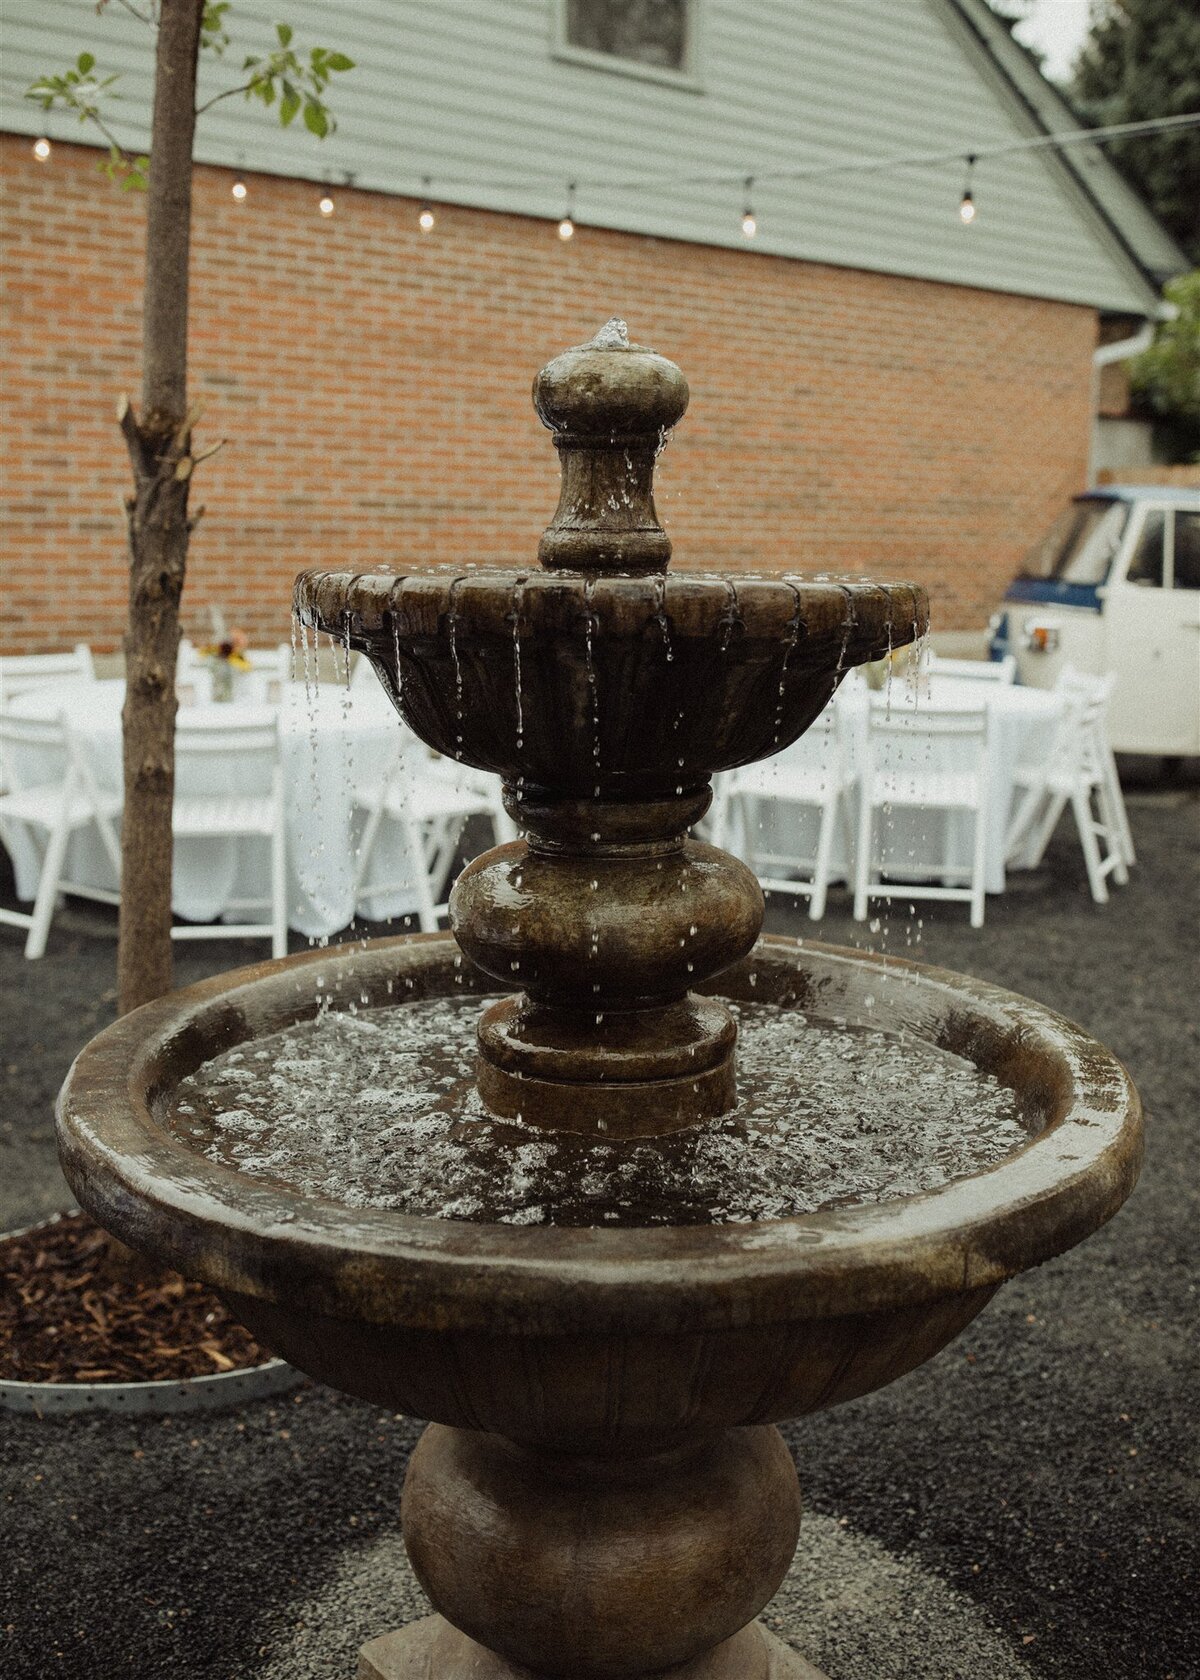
(614, 687)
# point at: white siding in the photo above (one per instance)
(470, 90)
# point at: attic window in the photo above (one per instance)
(655, 39)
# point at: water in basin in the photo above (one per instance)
(379, 1109)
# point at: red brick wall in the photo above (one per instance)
(374, 385)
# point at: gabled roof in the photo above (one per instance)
(1126, 215)
(475, 96)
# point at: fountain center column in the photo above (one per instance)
(608, 915)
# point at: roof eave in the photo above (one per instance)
(1148, 251)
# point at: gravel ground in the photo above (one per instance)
(1025, 1506)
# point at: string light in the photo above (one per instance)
(426, 219)
(749, 220)
(41, 149)
(967, 208)
(566, 228)
(326, 206)
(238, 190)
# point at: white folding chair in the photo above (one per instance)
(1073, 772)
(52, 810)
(430, 799)
(974, 670)
(23, 671)
(812, 774)
(931, 759)
(1092, 688)
(234, 751)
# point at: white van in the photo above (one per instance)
(1115, 586)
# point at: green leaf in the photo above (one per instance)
(284, 32)
(289, 104)
(84, 62)
(339, 61)
(316, 118)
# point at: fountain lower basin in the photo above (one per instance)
(601, 1361)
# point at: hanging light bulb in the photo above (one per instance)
(566, 228)
(749, 219)
(41, 149)
(426, 219)
(967, 208)
(238, 190)
(326, 205)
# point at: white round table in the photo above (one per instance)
(340, 740)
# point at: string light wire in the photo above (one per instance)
(864, 165)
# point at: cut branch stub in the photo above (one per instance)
(610, 405)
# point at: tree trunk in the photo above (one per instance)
(159, 444)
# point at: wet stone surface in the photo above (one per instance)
(379, 1109)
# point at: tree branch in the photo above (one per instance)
(187, 426)
(217, 97)
(134, 11)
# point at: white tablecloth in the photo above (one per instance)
(1021, 727)
(342, 741)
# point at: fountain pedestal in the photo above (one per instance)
(601, 1568)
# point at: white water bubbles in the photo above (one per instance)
(379, 1109)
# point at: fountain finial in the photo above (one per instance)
(610, 405)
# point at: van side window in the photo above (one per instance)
(1187, 550)
(1146, 561)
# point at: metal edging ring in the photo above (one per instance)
(157, 1398)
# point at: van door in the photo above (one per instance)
(1139, 612)
(1183, 650)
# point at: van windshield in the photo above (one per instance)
(1080, 546)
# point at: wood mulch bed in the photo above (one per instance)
(73, 1309)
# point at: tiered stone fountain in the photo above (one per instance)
(603, 1494)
